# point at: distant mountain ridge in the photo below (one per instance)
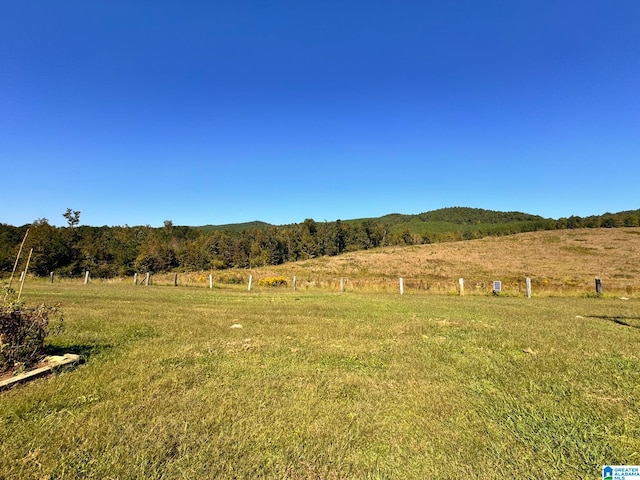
(235, 227)
(452, 215)
(455, 223)
(460, 223)
(459, 216)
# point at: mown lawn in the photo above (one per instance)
(327, 385)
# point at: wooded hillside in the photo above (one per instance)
(118, 251)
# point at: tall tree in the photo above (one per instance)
(73, 217)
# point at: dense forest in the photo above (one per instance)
(122, 250)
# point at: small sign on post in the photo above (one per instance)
(598, 286)
(497, 287)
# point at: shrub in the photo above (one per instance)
(272, 282)
(23, 331)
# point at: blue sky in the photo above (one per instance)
(206, 112)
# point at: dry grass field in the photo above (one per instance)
(222, 383)
(564, 262)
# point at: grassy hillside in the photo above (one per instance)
(556, 261)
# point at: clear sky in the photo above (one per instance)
(210, 112)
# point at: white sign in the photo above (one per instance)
(621, 472)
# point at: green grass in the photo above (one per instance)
(327, 385)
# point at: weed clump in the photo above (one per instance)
(273, 282)
(23, 331)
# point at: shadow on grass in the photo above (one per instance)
(626, 321)
(84, 350)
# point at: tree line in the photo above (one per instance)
(123, 250)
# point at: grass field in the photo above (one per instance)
(318, 384)
(559, 262)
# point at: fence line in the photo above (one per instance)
(515, 287)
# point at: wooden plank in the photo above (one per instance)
(54, 363)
